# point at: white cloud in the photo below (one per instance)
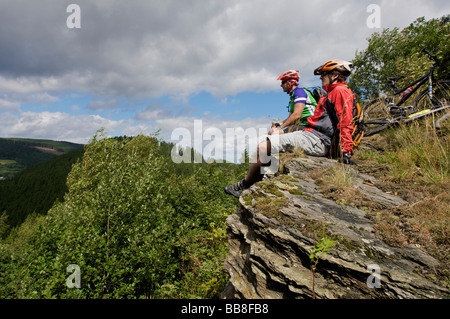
(6, 105)
(213, 137)
(156, 48)
(56, 125)
(81, 128)
(152, 49)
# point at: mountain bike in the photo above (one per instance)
(385, 112)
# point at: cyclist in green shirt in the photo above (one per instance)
(301, 105)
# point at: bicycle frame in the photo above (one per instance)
(418, 83)
(404, 114)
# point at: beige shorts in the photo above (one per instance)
(310, 143)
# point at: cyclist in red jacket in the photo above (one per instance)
(333, 114)
(335, 110)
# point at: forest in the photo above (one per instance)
(136, 224)
(17, 154)
(35, 189)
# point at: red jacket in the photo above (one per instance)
(334, 112)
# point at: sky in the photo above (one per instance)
(173, 68)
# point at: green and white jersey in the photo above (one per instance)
(300, 95)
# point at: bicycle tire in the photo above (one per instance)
(376, 108)
(441, 97)
(437, 124)
(374, 126)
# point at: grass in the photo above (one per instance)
(287, 156)
(339, 176)
(337, 183)
(418, 152)
(6, 162)
(413, 161)
(268, 205)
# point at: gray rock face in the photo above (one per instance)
(281, 219)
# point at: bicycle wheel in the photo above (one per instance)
(437, 124)
(376, 108)
(374, 126)
(441, 97)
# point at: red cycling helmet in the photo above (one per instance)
(289, 75)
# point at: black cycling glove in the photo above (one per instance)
(346, 159)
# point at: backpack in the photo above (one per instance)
(318, 92)
(358, 129)
(357, 133)
(311, 97)
(315, 94)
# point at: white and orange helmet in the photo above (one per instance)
(342, 66)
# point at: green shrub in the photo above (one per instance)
(134, 227)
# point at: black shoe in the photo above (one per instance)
(236, 189)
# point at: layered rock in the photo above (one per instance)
(279, 221)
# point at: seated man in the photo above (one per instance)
(334, 113)
(301, 105)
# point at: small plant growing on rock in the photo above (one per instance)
(321, 248)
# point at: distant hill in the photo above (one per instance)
(16, 154)
(36, 188)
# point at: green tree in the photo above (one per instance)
(321, 248)
(395, 52)
(135, 227)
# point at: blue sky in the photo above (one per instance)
(135, 67)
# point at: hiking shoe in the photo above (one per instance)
(236, 189)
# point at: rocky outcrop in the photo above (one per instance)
(278, 222)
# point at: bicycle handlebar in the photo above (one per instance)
(430, 56)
